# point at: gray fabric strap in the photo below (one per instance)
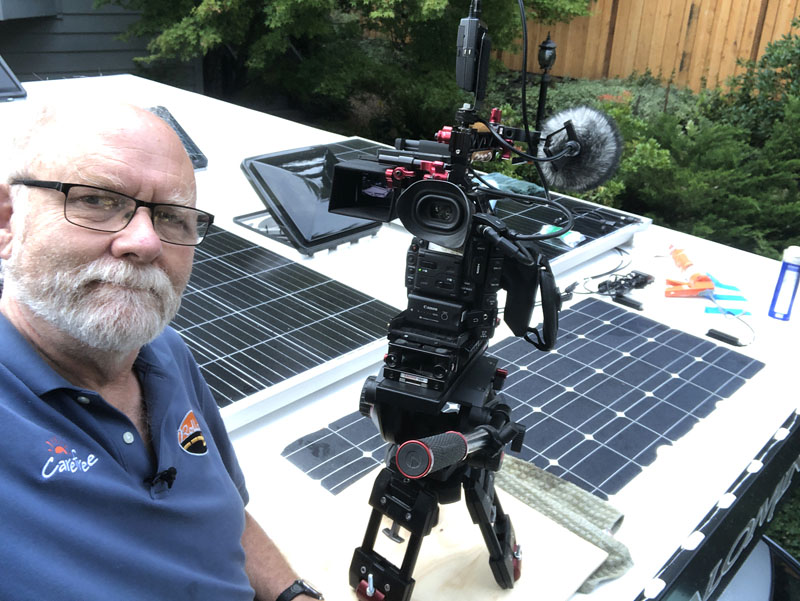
(580, 512)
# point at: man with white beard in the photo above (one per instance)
(119, 481)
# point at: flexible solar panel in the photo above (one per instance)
(254, 319)
(618, 386)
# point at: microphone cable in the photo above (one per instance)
(527, 200)
(571, 150)
(524, 23)
(567, 151)
(521, 198)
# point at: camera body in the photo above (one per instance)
(455, 266)
(452, 303)
(451, 315)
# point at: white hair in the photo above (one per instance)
(56, 135)
(42, 132)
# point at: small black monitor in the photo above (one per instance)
(295, 187)
(10, 87)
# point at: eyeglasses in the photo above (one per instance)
(108, 211)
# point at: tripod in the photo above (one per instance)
(412, 501)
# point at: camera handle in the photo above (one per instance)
(415, 505)
(551, 305)
(529, 271)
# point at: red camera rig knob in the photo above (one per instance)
(398, 174)
(443, 135)
(499, 379)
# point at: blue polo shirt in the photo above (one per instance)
(82, 517)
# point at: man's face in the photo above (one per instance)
(109, 291)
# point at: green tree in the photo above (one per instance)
(388, 63)
(706, 179)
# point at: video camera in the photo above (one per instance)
(436, 397)
(460, 257)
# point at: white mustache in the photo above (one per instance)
(143, 301)
(119, 273)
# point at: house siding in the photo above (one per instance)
(81, 41)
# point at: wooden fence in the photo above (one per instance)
(686, 41)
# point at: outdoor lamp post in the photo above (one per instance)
(547, 54)
(547, 58)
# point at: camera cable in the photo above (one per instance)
(571, 149)
(530, 201)
(624, 261)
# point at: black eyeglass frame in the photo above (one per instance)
(64, 188)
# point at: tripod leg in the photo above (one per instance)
(498, 533)
(408, 503)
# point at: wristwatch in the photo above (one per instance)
(299, 587)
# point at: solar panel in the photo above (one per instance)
(254, 319)
(602, 228)
(618, 386)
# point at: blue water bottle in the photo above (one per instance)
(786, 288)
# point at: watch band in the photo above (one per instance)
(299, 587)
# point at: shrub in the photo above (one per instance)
(757, 98)
(685, 170)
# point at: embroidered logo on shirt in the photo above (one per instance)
(70, 463)
(190, 436)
